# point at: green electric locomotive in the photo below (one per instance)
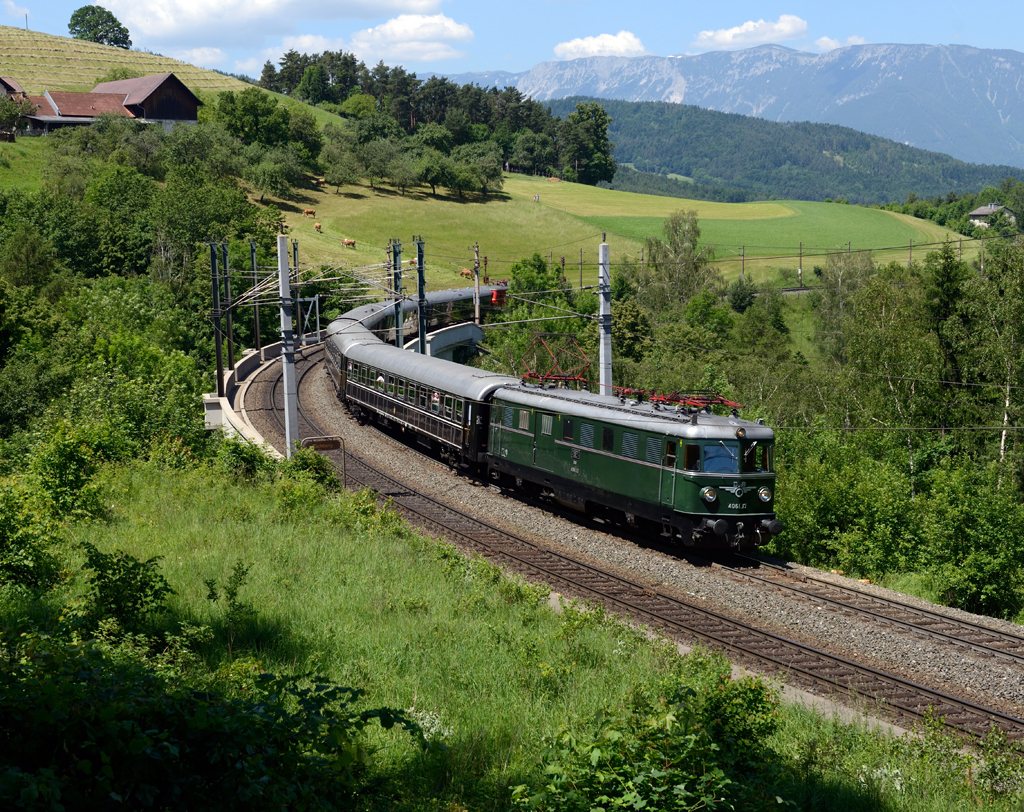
(704, 478)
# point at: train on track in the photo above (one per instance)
(706, 480)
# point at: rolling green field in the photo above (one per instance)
(46, 62)
(569, 217)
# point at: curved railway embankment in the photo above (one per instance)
(796, 661)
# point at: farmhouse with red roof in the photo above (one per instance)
(161, 99)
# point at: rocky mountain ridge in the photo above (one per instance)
(964, 101)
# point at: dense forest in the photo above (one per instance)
(521, 132)
(801, 161)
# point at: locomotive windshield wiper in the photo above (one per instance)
(747, 452)
(723, 445)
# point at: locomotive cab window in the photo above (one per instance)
(755, 458)
(496, 414)
(722, 458)
(691, 457)
(567, 430)
(670, 454)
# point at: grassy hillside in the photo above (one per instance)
(569, 217)
(46, 62)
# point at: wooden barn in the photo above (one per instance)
(162, 97)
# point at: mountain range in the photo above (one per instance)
(963, 101)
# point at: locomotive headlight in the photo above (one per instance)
(765, 494)
(708, 494)
(741, 433)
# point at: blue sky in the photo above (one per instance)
(454, 36)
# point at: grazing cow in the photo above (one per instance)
(316, 228)
(349, 243)
(466, 273)
(309, 212)
(320, 181)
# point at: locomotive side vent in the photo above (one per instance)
(654, 450)
(629, 443)
(586, 435)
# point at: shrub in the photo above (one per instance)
(123, 588)
(80, 732)
(27, 534)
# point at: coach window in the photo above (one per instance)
(424, 394)
(567, 430)
(380, 381)
(458, 411)
(435, 402)
(607, 439)
(448, 406)
(691, 457)
(391, 384)
(401, 388)
(411, 392)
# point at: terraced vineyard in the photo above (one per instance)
(46, 62)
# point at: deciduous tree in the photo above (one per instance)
(96, 24)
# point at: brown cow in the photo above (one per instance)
(320, 181)
(309, 212)
(350, 243)
(316, 228)
(466, 272)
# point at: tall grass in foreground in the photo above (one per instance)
(341, 589)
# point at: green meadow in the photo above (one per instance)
(569, 218)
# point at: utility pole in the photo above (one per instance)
(982, 256)
(800, 266)
(217, 333)
(291, 411)
(421, 292)
(487, 276)
(604, 297)
(255, 300)
(298, 290)
(396, 256)
(743, 260)
(476, 282)
(581, 268)
(228, 307)
(563, 270)
(910, 255)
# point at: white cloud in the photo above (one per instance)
(828, 44)
(625, 43)
(204, 57)
(412, 38)
(402, 40)
(221, 22)
(15, 11)
(787, 28)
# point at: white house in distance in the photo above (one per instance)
(983, 214)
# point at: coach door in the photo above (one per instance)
(668, 473)
(544, 441)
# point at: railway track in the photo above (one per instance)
(906, 700)
(902, 616)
